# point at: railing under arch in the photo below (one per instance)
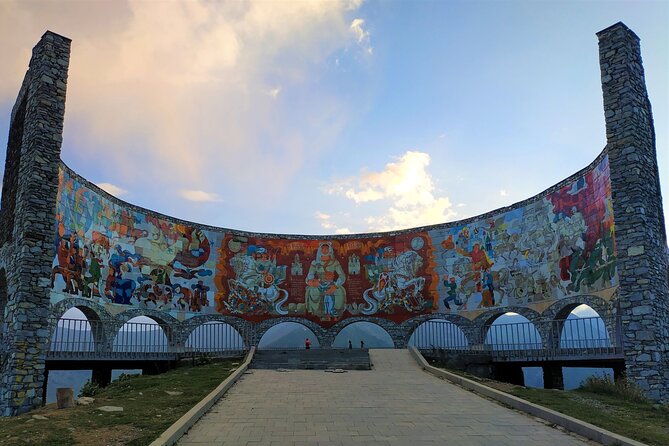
(565, 339)
(80, 339)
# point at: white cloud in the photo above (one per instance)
(181, 81)
(408, 189)
(199, 196)
(361, 35)
(112, 189)
(326, 222)
(503, 193)
(273, 92)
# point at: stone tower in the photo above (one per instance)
(637, 210)
(27, 223)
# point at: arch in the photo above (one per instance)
(319, 333)
(438, 334)
(584, 331)
(483, 321)
(242, 326)
(387, 325)
(521, 335)
(557, 316)
(409, 326)
(96, 324)
(383, 340)
(142, 337)
(91, 309)
(169, 324)
(561, 308)
(214, 337)
(73, 334)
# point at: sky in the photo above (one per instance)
(327, 117)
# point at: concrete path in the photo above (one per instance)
(395, 404)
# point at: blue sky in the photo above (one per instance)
(333, 117)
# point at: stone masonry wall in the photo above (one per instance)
(31, 171)
(637, 208)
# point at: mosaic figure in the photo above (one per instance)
(325, 293)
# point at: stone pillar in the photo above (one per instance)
(637, 210)
(101, 376)
(27, 222)
(509, 373)
(553, 378)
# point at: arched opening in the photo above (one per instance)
(215, 337)
(359, 334)
(141, 334)
(513, 335)
(287, 335)
(583, 330)
(75, 333)
(512, 332)
(439, 334)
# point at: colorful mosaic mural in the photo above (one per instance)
(557, 246)
(552, 247)
(325, 280)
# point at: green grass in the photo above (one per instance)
(617, 407)
(147, 410)
(641, 421)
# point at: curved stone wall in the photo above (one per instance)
(555, 245)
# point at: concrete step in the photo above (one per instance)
(313, 359)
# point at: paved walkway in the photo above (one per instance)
(395, 404)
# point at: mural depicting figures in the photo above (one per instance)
(556, 246)
(561, 244)
(255, 288)
(330, 285)
(395, 283)
(118, 256)
(325, 294)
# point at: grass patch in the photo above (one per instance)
(147, 410)
(641, 421)
(621, 408)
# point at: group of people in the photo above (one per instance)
(307, 344)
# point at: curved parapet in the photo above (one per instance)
(557, 244)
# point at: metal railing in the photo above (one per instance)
(439, 334)
(84, 339)
(566, 339)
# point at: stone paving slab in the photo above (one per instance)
(394, 404)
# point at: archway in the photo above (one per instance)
(75, 333)
(440, 334)
(287, 335)
(215, 337)
(583, 329)
(512, 331)
(369, 333)
(141, 334)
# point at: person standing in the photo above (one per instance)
(307, 343)
(350, 345)
(362, 344)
